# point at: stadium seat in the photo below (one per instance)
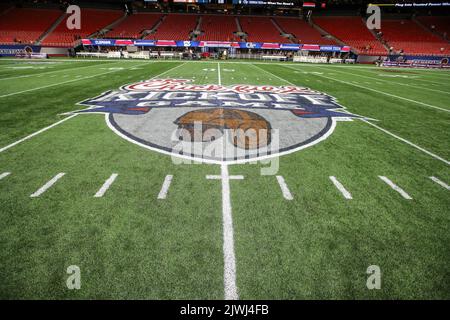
(175, 27)
(353, 32)
(411, 38)
(439, 24)
(218, 28)
(303, 32)
(261, 29)
(21, 25)
(93, 20)
(133, 25)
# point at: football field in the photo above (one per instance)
(74, 191)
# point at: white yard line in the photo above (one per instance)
(375, 126)
(441, 183)
(377, 78)
(395, 187)
(341, 188)
(4, 175)
(378, 91)
(218, 74)
(106, 186)
(284, 188)
(408, 142)
(70, 117)
(61, 83)
(436, 71)
(36, 133)
(229, 273)
(274, 75)
(60, 70)
(46, 186)
(165, 187)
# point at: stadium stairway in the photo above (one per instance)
(51, 29)
(351, 31)
(217, 28)
(425, 27)
(438, 24)
(376, 36)
(94, 21)
(408, 36)
(109, 27)
(238, 24)
(5, 10)
(148, 33)
(132, 26)
(289, 37)
(175, 27)
(302, 31)
(327, 34)
(260, 29)
(197, 30)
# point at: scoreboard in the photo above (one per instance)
(266, 3)
(201, 1)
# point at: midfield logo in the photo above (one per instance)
(216, 123)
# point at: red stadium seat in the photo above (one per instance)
(439, 24)
(93, 20)
(302, 31)
(218, 28)
(21, 25)
(353, 32)
(175, 27)
(261, 29)
(408, 36)
(133, 25)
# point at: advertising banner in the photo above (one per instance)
(214, 44)
(13, 50)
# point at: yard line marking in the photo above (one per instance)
(284, 188)
(65, 119)
(106, 186)
(395, 187)
(165, 187)
(229, 272)
(341, 188)
(60, 83)
(218, 73)
(408, 142)
(378, 127)
(439, 182)
(36, 133)
(171, 69)
(40, 74)
(273, 74)
(212, 177)
(378, 91)
(4, 175)
(46, 186)
(391, 82)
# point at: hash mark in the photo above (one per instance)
(165, 187)
(396, 187)
(284, 188)
(4, 175)
(106, 186)
(439, 182)
(341, 188)
(48, 185)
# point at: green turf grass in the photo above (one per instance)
(128, 244)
